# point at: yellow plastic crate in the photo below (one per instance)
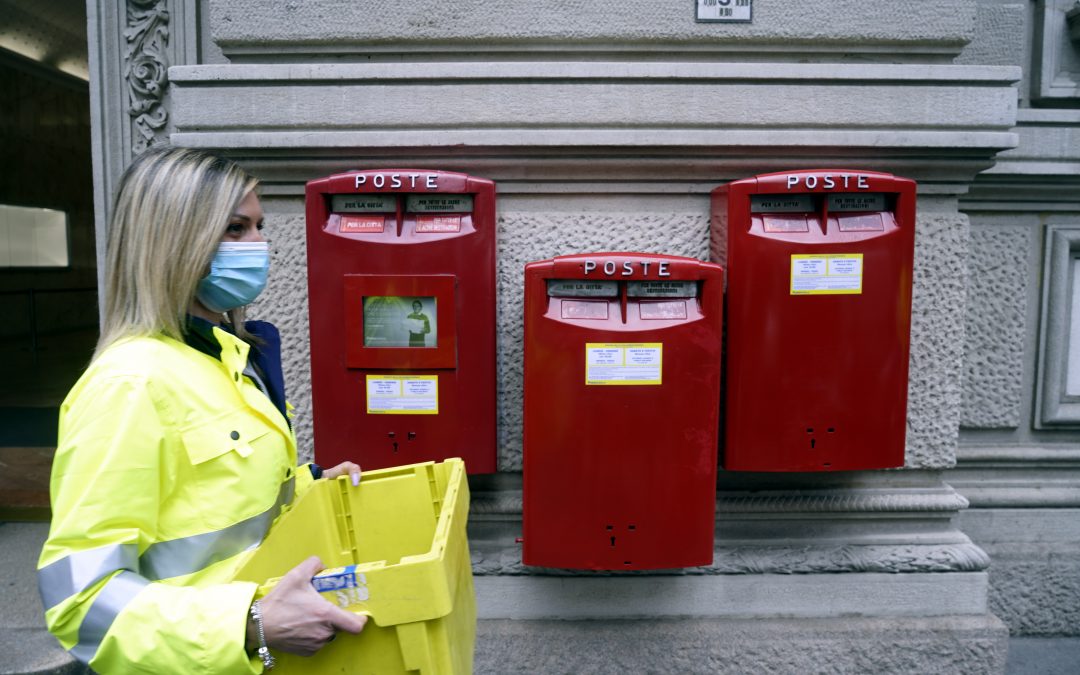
(404, 529)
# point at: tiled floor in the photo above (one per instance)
(24, 483)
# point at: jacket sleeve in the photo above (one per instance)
(111, 471)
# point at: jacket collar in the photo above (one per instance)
(264, 355)
(234, 357)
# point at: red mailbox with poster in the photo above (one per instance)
(622, 397)
(401, 297)
(819, 270)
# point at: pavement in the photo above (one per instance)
(1043, 656)
(26, 648)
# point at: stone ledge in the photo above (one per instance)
(1006, 477)
(730, 559)
(257, 29)
(607, 71)
(731, 596)
(1041, 173)
(848, 645)
(1024, 527)
(599, 109)
(603, 143)
(808, 500)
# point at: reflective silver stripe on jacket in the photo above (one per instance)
(61, 579)
(110, 601)
(177, 557)
(73, 574)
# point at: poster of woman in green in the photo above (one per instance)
(399, 321)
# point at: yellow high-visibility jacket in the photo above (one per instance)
(170, 468)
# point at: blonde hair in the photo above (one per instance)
(170, 212)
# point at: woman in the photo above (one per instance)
(175, 452)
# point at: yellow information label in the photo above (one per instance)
(624, 363)
(830, 274)
(403, 394)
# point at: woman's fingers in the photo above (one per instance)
(299, 620)
(350, 468)
(302, 573)
(347, 621)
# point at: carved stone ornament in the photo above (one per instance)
(955, 557)
(146, 68)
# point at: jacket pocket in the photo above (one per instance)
(233, 431)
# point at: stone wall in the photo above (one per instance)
(1017, 459)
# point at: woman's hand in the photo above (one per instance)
(296, 619)
(351, 468)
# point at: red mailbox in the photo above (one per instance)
(819, 313)
(622, 393)
(401, 295)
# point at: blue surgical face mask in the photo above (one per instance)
(237, 275)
